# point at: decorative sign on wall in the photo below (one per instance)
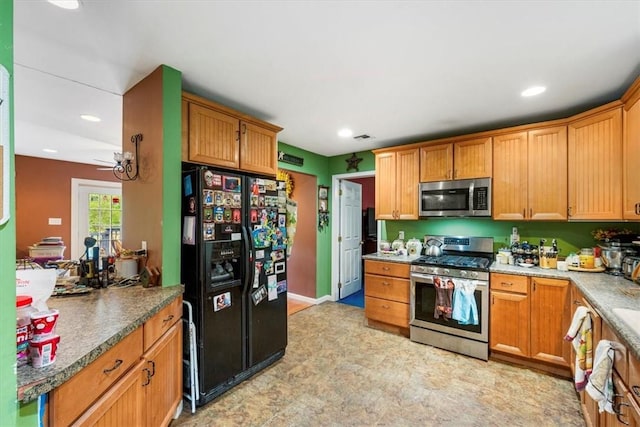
(289, 158)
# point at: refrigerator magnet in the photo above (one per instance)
(208, 179)
(271, 185)
(260, 254)
(186, 185)
(218, 198)
(254, 200)
(217, 180)
(282, 220)
(222, 301)
(282, 286)
(279, 267)
(191, 206)
(209, 232)
(268, 267)
(227, 214)
(258, 295)
(189, 230)
(208, 214)
(207, 197)
(237, 200)
(218, 214)
(253, 215)
(235, 216)
(231, 183)
(277, 255)
(261, 201)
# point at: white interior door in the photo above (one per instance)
(350, 238)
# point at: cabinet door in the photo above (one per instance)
(547, 174)
(595, 167)
(213, 137)
(385, 185)
(436, 162)
(509, 325)
(631, 158)
(407, 186)
(121, 405)
(162, 369)
(472, 159)
(258, 149)
(510, 176)
(550, 319)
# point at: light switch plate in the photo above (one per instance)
(55, 221)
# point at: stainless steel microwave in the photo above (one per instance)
(462, 197)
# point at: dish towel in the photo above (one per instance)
(600, 385)
(465, 309)
(580, 334)
(444, 296)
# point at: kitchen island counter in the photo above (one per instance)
(88, 326)
(603, 291)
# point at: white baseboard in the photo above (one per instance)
(308, 300)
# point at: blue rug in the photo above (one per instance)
(356, 299)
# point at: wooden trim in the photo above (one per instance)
(521, 362)
(195, 99)
(632, 94)
(375, 324)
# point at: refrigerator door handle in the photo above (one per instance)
(251, 262)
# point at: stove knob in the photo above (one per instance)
(474, 274)
(445, 271)
(463, 273)
(433, 270)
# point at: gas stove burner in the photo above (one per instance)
(457, 261)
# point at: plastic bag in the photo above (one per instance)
(38, 284)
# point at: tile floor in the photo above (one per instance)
(337, 372)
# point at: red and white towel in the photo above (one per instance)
(580, 334)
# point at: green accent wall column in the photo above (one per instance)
(171, 176)
(8, 396)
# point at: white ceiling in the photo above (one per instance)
(400, 71)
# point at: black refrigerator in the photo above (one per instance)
(234, 271)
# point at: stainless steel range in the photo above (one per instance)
(450, 294)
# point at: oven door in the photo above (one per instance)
(424, 300)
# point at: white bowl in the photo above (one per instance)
(525, 264)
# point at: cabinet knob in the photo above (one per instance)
(637, 208)
(386, 307)
(506, 284)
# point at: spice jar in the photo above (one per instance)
(24, 331)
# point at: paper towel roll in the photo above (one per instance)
(126, 268)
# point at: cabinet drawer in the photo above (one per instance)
(391, 312)
(620, 364)
(510, 283)
(74, 396)
(161, 322)
(390, 288)
(387, 268)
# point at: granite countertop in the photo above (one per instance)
(603, 291)
(378, 256)
(88, 326)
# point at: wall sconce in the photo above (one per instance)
(126, 162)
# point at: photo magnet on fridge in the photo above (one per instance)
(186, 185)
(282, 286)
(279, 267)
(222, 301)
(189, 230)
(258, 295)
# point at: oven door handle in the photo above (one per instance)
(424, 278)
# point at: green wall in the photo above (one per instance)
(338, 164)
(171, 175)
(8, 406)
(571, 235)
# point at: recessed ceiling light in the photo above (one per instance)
(533, 91)
(49, 150)
(90, 118)
(345, 133)
(66, 4)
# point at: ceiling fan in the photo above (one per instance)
(110, 168)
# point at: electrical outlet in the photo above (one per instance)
(401, 235)
(144, 245)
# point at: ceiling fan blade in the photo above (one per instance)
(109, 162)
(104, 169)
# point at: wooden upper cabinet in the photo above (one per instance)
(436, 162)
(385, 185)
(213, 137)
(547, 173)
(595, 166)
(510, 182)
(472, 159)
(456, 160)
(530, 175)
(631, 153)
(258, 149)
(219, 136)
(397, 174)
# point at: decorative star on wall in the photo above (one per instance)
(352, 162)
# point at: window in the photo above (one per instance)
(96, 211)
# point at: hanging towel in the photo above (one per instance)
(580, 334)
(444, 295)
(465, 309)
(600, 385)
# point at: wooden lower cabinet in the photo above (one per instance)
(528, 319)
(386, 303)
(132, 384)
